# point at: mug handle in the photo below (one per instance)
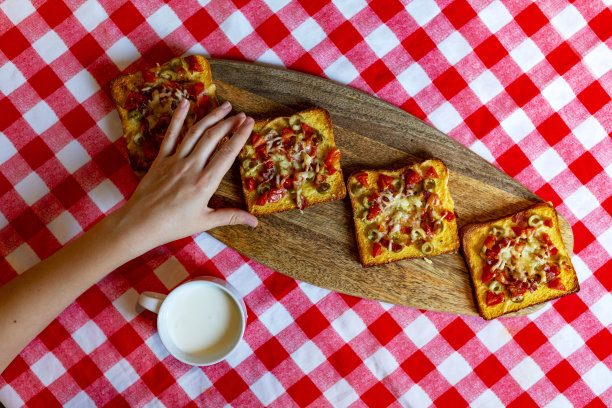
(151, 301)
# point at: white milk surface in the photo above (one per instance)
(203, 320)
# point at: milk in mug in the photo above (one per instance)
(201, 321)
(204, 319)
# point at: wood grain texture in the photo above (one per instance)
(319, 245)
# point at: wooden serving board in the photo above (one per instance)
(319, 245)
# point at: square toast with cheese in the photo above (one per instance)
(291, 162)
(146, 101)
(518, 261)
(404, 213)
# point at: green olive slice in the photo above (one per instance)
(429, 184)
(323, 187)
(427, 248)
(535, 221)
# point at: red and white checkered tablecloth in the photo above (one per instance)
(527, 85)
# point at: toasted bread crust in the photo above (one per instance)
(364, 246)
(471, 242)
(319, 119)
(123, 85)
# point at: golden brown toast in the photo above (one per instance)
(291, 162)
(518, 261)
(404, 213)
(146, 101)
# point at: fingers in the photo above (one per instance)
(211, 138)
(174, 129)
(194, 133)
(232, 216)
(223, 159)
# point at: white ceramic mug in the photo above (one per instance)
(199, 322)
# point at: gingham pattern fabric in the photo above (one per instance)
(524, 84)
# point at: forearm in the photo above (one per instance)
(31, 301)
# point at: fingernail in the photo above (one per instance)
(249, 120)
(226, 105)
(184, 102)
(241, 115)
(252, 222)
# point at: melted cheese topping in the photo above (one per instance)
(292, 157)
(403, 209)
(160, 105)
(523, 259)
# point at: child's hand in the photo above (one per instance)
(171, 201)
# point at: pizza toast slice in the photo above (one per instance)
(146, 101)
(291, 162)
(404, 213)
(518, 261)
